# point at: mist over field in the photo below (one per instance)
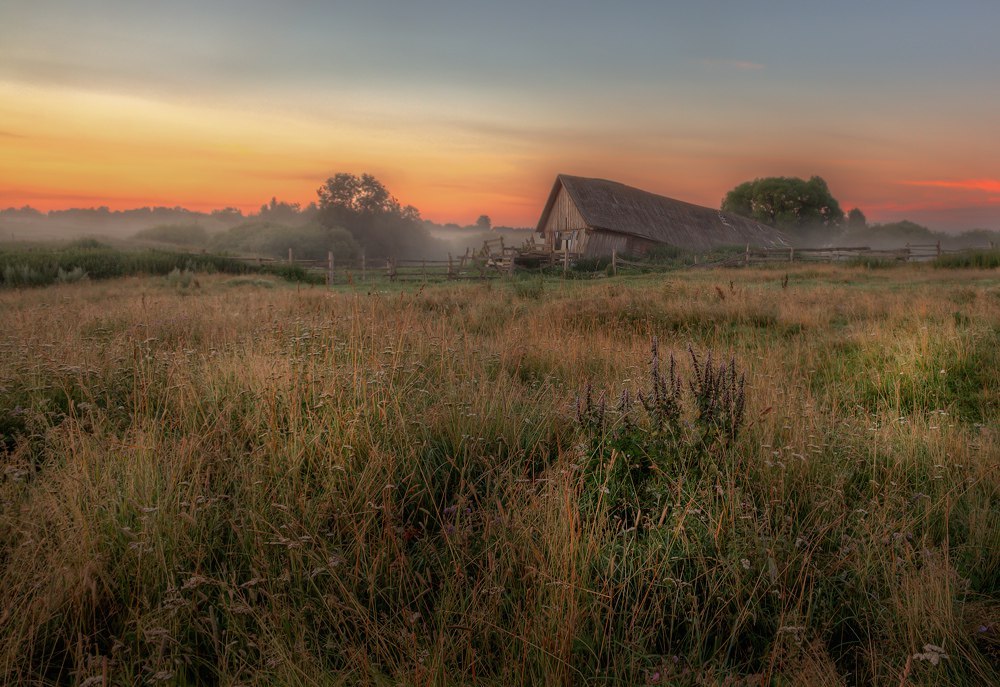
(268, 232)
(445, 344)
(356, 219)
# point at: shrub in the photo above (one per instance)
(309, 241)
(180, 278)
(179, 234)
(70, 276)
(23, 275)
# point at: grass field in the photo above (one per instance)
(249, 482)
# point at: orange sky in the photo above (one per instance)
(126, 109)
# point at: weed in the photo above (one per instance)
(311, 486)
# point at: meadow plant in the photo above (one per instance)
(297, 485)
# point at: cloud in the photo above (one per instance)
(739, 65)
(984, 185)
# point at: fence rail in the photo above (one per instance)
(467, 266)
(911, 252)
(488, 262)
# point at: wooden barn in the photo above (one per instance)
(593, 217)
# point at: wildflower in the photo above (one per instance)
(931, 653)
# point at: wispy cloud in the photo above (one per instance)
(985, 185)
(739, 65)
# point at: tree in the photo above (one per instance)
(785, 203)
(484, 223)
(281, 212)
(364, 206)
(228, 215)
(856, 219)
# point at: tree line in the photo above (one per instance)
(807, 211)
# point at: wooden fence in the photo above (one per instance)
(495, 260)
(363, 269)
(911, 252)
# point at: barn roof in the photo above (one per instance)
(614, 207)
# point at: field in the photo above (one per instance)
(238, 480)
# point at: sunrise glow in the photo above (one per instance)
(205, 109)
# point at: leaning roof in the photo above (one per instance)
(615, 207)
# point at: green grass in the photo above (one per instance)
(42, 264)
(982, 259)
(244, 484)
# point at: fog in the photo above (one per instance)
(270, 232)
(889, 236)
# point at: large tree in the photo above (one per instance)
(786, 203)
(364, 206)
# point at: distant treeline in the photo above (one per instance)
(353, 216)
(312, 240)
(809, 214)
(898, 234)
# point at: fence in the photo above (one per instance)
(911, 252)
(467, 266)
(503, 260)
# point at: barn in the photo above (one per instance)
(594, 217)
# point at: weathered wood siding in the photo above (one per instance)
(563, 219)
(600, 243)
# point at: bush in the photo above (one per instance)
(309, 241)
(70, 276)
(178, 234)
(180, 278)
(23, 275)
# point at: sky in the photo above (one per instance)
(465, 107)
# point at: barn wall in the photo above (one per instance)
(603, 243)
(563, 218)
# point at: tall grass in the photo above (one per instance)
(42, 265)
(982, 259)
(312, 487)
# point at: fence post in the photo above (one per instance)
(329, 268)
(791, 254)
(364, 265)
(565, 260)
(746, 256)
(614, 262)
(939, 248)
(290, 261)
(450, 274)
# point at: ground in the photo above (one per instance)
(231, 479)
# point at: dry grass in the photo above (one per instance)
(251, 483)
